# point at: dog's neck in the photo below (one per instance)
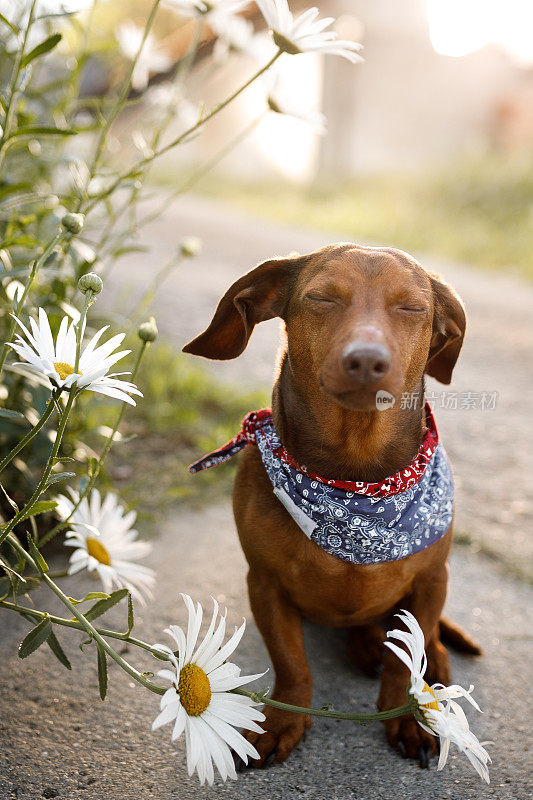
(344, 444)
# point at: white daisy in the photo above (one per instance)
(234, 34)
(437, 712)
(200, 701)
(56, 362)
(194, 9)
(105, 542)
(152, 58)
(279, 101)
(306, 33)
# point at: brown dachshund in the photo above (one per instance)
(358, 320)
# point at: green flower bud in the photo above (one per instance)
(90, 282)
(73, 222)
(191, 246)
(147, 331)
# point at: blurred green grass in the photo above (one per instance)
(479, 212)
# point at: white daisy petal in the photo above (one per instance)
(167, 715)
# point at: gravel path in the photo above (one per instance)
(58, 740)
(491, 450)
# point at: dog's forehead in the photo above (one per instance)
(349, 262)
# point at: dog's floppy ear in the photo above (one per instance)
(449, 324)
(256, 297)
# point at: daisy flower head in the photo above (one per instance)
(234, 34)
(195, 9)
(281, 102)
(56, 361)
(200, 702)
(151, 59)
(437, 711)
(105, 542)
(306, 33)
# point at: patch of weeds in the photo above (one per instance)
(185, 413)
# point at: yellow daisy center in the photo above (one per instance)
(434, 704)
(63, 369)
(194, 690)
(97, 550)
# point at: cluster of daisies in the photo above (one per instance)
(305, 33)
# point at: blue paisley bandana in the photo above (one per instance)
(361, 523)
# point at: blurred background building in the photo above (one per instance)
(462, 82)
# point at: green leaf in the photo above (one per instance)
(37, 556)
(11, 188)
(86, 641)
(9, 24)
(131, 620)
(59, 476)
(9, 414)
(35, 638)
(102, 606)
(90, 596)
(11, 502)
(42, 48)
(41, 507)
(56, 14)
(57, 650)
(41, 130)
(5, 587)
(93, 464)
(102, 670)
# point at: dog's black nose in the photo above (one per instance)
(366, 362)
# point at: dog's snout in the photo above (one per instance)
(366, 362)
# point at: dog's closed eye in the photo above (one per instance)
(323, 300)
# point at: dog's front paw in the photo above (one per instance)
(283, 731)
(406, 736)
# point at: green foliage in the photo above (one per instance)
(35, 638)
(102, 670)
(477, 211)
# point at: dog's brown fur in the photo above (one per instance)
(328, 300)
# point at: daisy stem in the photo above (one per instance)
(182, 137)
(18, 304)
(84, 623)
(69, 623)
(13, 91)
(106, 448)
(46, 474)
(49, 410)
(121, 98)
(80, 326)
(258, 697)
